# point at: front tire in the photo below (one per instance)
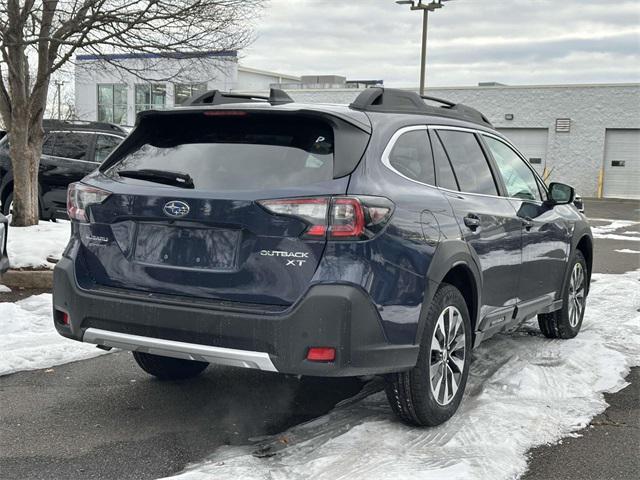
(430, 393)
(566, 322)
(169, 368)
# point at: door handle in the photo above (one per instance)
(472, 221)
(527, 223)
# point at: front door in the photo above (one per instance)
(545, 234)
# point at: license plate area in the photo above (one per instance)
(186, 247)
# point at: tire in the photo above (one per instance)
(411, 394)
(169, 368)
(566, 322)
(6, 205)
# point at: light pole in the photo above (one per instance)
(59, 84)
(426, 8)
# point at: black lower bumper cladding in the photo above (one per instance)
(338, 316)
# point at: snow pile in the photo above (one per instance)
(29, 341)
(524, 390)
(29, 247)
(607, 231)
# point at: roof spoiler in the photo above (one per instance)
(393, 100)
(216, 97)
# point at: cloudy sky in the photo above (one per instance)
(508, 41)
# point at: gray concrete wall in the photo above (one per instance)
(575, 157)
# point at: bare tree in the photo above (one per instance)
(38, 37)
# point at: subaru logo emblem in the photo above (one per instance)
(176, 208)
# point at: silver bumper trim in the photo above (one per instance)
(189, 351)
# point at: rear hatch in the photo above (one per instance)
(186, 209)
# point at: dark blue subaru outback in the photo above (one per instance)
(390, 237)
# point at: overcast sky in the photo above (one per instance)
(470, 41)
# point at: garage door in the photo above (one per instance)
(532, 142)
(622, 164)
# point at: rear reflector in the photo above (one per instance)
(65, 318)
(321, 354)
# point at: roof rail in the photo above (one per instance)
(50, 123)
(216, 97)
(393, 100)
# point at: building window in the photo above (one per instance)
(112, 103)
(150, 95)
(184, 91)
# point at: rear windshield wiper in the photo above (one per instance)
(176, 179)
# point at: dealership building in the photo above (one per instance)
(585, 135)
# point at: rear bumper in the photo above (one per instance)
(338, 316)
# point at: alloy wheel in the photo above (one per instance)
(447, 357)
(576, 295)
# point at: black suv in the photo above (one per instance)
(390, 236)
(71, 150)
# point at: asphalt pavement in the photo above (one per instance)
(609, 447)
(104, 418)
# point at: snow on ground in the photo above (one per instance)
(608, 231)
(627, 250)
(524, 390)
(29, 341)
(4, 289)
(29, 247)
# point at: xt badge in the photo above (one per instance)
(294, 259)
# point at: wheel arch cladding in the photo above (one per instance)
(461, 277)
(454, 265)
(585, 245)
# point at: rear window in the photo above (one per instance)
(241, 151)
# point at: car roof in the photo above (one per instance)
(81, 125)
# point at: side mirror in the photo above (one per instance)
(561, 193)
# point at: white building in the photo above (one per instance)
(105, 93)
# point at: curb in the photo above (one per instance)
(28, 279)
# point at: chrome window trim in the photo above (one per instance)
(400, 131)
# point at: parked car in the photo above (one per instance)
(387, 237)
(70, 151)
(4, 234)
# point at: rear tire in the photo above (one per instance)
(169, 368)
(430, 393)
(566, 322)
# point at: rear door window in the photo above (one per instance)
(104, 146)
(74, 145)
(411, 156)
(469, 163)
(444, 173)
(239, 151)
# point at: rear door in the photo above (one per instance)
(488, 222)
(219, 239)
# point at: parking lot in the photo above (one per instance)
(104, 418)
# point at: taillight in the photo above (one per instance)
(80, 197)
(311, 210)
(338, 218)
